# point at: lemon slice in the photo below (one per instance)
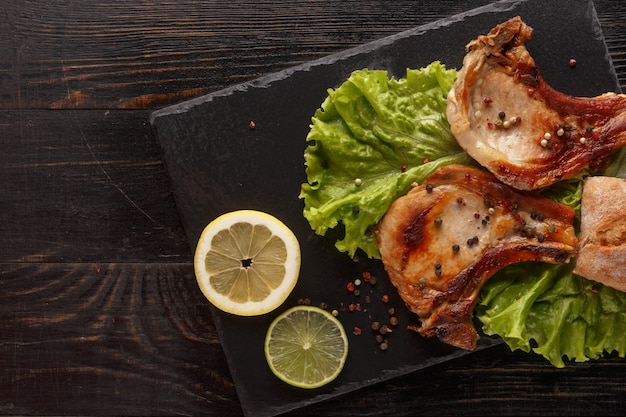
(306, 347)
(247, 262)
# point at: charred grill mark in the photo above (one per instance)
(415, 234)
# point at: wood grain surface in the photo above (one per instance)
(99, 309)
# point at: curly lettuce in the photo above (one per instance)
(371, 139)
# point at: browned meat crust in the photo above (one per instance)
(602, 248)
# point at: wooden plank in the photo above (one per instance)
(123, 339)
(113, 54)
(75, 188)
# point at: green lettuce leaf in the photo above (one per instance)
(372, 138)
(554, 313)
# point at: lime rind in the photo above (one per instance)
(306, 347)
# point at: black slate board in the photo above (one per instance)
(217, 164)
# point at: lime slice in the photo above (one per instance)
(306, 347)
(247, 262)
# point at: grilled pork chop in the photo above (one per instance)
(444, 239)
(505, 115)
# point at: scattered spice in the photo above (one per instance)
(383, 329)
(252, 125)
(572, 63)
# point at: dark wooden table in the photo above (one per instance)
(99, 309)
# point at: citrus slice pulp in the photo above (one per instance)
(247, 262)
(306, 347)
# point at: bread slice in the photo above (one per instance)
(602, 246)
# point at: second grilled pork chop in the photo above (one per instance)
(443, 240)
